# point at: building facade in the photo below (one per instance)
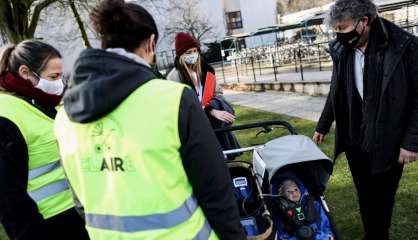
(247, 16)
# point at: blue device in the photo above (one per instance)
(250, 226)
(242, 188)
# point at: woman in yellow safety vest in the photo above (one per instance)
(137, 149)
(35, 199)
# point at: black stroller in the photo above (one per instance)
(293, 157)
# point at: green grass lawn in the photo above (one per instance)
(2, 233)
(340, 195)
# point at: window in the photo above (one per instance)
(234, 20)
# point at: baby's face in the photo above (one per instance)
(292, 192)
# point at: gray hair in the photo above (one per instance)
(344, 10)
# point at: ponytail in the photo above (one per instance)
(32, 53)
(4, 57)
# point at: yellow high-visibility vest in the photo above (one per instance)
(127, 171)
(47, 185)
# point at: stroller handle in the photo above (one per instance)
(242, 150)
(264, 125)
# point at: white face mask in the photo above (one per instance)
(191, 58)
(55, 87)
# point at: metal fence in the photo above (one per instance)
(263, 62)
(275, 63)
(283, 63)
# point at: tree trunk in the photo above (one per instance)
(80, 24)
(11, 21)
(15, 21)
(3, 39)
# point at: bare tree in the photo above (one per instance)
(3, 39)
(185, 16)
(79, 21)
(299, 5)
(79, 10)
(281, 6)
(19, 18)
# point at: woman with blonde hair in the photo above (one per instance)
(191, 69)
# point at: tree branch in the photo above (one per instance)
(36, 14)
(5, 11)
(184, 16)
(12, 20)
(80, 24)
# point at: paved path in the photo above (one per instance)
(292, 104)
(314, 76)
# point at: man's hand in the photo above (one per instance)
(406, 156)
(318, 138)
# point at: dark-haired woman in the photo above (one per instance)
(191, 69)
(125, 139)
(35, 199)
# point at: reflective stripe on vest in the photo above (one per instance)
(150, 222)
(143, 223)
(204, 233)
(45, 176)
(130, 148)
(34, 173)
(49, 190)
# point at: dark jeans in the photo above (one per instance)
(66, 226)
(375, 192)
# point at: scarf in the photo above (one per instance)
(373, 68)
(363, 113)
(15, 85)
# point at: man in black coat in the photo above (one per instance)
(374, 101)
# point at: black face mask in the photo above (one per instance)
(350, 39)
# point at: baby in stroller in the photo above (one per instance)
(299, 215)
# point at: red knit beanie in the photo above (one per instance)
(184, 42)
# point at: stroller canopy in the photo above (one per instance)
(297, 153)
